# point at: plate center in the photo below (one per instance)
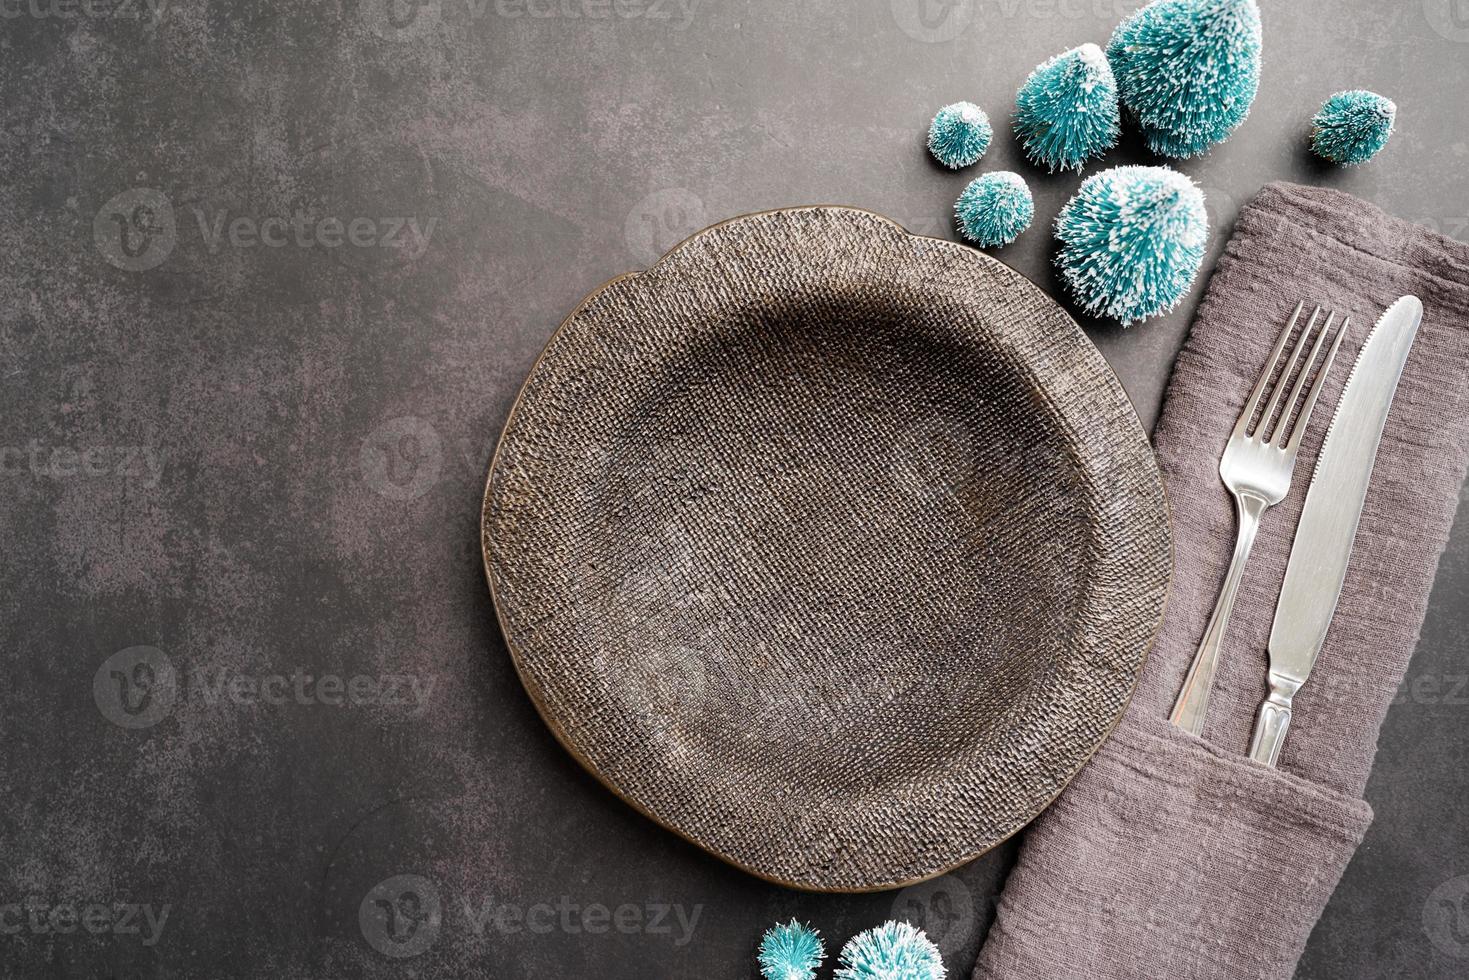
(818, 527)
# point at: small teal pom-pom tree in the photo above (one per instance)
(1188, 71)
(892, 951)
(959, 135)
(1132, 240)
(1066, 112)
(994, 209)
(1352, 126)
(790, 952)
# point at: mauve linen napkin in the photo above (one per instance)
(1175, 856)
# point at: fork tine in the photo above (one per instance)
(1300, 430)
(1280, 386)
(1283, 426)
(1243, 424)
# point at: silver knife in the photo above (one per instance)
(1328, 525)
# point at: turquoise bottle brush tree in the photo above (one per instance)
(790, 952)
(959, 135)
(1133, 238)
(1066, 112)
(1132, 241)
(892, 951)
(1187, 71)
(1352, 127)
(994, 209)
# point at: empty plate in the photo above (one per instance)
(834, 549)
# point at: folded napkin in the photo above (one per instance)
(1175, 856)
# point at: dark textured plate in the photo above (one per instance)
(835, 549)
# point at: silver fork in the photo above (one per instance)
(1256, 467)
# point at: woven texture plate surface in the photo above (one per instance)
(834, 549)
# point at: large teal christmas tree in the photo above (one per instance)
(1132, 240)
(1066, 112)
(1187, 70)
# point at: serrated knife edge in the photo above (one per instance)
(1326, 532)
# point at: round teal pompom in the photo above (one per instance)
(959, 135)
(1188, 71)
(1066, 112)
(1132, 240)
(790, 952)
(994, 209)
(892, 951)
(1352, 126)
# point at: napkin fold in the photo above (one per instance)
(1172, 855)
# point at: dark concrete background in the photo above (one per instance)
(228, 465)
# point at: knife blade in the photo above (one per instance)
(1328, 526)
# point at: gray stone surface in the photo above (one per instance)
(240, 448)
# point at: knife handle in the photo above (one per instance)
(1274, 720)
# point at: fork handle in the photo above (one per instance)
(1193, 699)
